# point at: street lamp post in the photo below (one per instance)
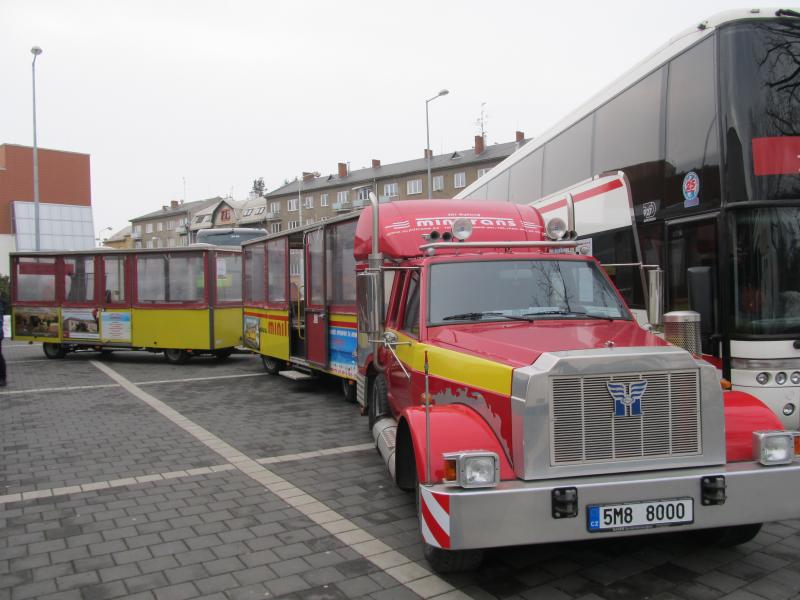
(428, 138)
(36, 51)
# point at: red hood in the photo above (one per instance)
(520, 344)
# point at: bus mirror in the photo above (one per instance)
(699, 280)
(369, 291)
(655, 296)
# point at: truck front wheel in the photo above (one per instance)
(378, 402)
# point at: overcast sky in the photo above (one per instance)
(223, 92)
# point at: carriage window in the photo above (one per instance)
(316, 266)
(254, 259)
(114, 279)
(341, 264)
(229, 277)
(36, 279)
(79, 279)
(166, 278)
(276, 257)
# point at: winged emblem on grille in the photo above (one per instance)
(627, 398)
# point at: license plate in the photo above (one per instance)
(639, 515)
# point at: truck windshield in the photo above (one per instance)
(520, 289)
(766, 271)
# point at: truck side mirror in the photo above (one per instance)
(369, 292)
(700, 282)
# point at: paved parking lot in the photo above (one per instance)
(129, 477)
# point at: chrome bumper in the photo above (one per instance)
(520, 512)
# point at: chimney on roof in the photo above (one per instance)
(342, 169)
(375, 163)
(173, 204)
(479, 147)
(520, 137)
(428, 153)
(307, 176)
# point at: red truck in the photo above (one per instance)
(507, 382)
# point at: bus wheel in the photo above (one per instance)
(176, 357)
(223, 354)
(272, 365)
(349, 390)
(54, 350)
(377, 402)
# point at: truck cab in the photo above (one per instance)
(509, 385)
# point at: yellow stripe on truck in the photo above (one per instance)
(464, 368)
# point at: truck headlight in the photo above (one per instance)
(473, 469)
(773, 447)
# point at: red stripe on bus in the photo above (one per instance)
(345, 324)
(585, 195)
(776, 155)
(263, 316)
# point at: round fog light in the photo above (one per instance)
(788, 409)
(795, 378)
(556, 228)
(780, 378)
(762, 378)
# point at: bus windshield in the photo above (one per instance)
(521, 289)
(766, 271)
(228, 237)
(760, 86)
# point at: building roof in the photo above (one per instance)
(417, 165)
(184, 208)
(252, 204)
(120, 235)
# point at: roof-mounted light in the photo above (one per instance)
(462, 228)
(556, 229)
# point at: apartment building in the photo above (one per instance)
(170, 226)
(314, 197)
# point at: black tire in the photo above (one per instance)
(273, 366)
(176, 357)
(378, 401)
(53, 350)
(223, 354)
(726, 537)
(349, 390)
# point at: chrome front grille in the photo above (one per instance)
(585, 430)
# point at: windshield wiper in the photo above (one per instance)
(568, 313)
(472, 316)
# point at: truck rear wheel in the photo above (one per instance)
(223, 354)
(53, 350)
(378, 401)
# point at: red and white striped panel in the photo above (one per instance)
(434, 518)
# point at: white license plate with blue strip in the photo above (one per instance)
(639, 515)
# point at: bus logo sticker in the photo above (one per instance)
(691, 190)
(627, 398)
(649, 211)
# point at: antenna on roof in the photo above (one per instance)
(482, 120)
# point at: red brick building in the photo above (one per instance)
(64, 181)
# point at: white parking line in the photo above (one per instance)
(422, 582)
(60, 389)
(271, 460)
(190, 379)
(113, 483)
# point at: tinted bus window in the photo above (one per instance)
(692, 137)
(568, 158)
(228, 237)
(525, 185)
(498, 188)
(627, 130)
(79, 279)
(36, 279)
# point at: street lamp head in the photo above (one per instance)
(441, 92)
(36, 51)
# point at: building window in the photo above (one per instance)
(438, 183)
(171, 243)
(137, 229)
(363, 193)
(148, 228)
(323, 199)
(309, 221)
(170, 225)
(138, 245)
(248, 212)
(149, 243)
(459, 180)
(275, 228)
(198, 219)
(225, 214)
(390, 190)
(482, 172)
(260, 210)
(160, 226)
(292, 224)
(184, 241)
(309, 202)
(274, 207)
(341, 197)
(414, 186)
(292, 205)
